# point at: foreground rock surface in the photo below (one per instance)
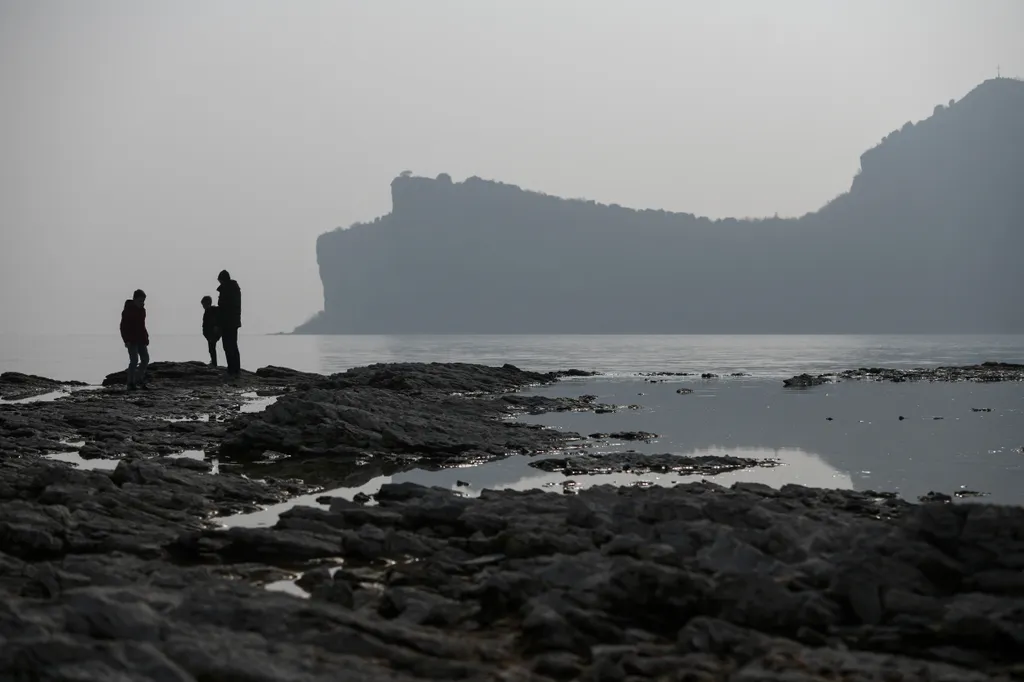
(128, 574)
(693, 583)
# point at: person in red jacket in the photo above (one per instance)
(136, 339)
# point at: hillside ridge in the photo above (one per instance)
(952, 180)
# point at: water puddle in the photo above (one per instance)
(80, 462)
(291, 585)
(255, 403)
(199, 456)
(42, 398)
(50, 396)
(514, 473)
(264, 518)
(287, 587)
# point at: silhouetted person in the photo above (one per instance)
(211, 327)
(229, 302)
(136, 339)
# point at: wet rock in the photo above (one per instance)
(985, 372)
(933, 496)
(969, 493)
(124, 575)
(18, 386)
(625, 435)
(650, 582)
(431, 414)
(806, 380)
(639, 463)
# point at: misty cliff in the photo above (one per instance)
(929, 238)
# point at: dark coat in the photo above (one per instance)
(211, 323)
(229, 301)
(133, 324)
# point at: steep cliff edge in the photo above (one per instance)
(928, 239)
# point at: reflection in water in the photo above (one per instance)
(287, 587)
(198, 455)
(884, 435)
(514, 473)
(51, 396)
(864, 445)
(80, 462)
(42, 398)
(268, 516)
(255, 403)
(796, 466)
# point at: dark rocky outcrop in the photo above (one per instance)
(697, 582)
(641, 463)
(18, 386)
(937, 197)
(130, 574)
(806, 380)
(985, 372)
(429, 415)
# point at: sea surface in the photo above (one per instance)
(91, 357)
(954, 437)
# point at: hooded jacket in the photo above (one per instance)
(229, 304)
(133, 324)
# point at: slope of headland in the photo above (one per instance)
(926, 240)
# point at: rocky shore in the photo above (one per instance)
(130, 574)
(985, 372)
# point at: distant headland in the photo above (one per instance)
(928, 239)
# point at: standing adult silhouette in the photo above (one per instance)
(136, 340)
(229, 305)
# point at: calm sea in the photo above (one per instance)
(905, 438)
(91, 357)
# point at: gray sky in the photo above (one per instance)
(150, 144)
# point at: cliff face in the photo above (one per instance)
(928, 239)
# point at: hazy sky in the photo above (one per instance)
(150, 144)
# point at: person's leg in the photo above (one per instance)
(212, 343)
(238, 356)
(133, 362)
(143, 364)
(230, 339)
